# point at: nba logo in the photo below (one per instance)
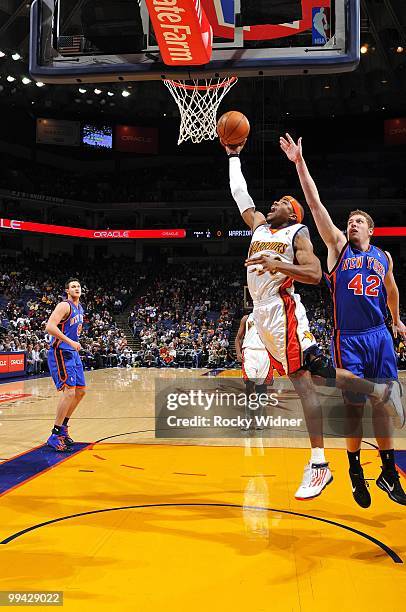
(320, 25)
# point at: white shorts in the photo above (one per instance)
(284, 329)
(256, 366)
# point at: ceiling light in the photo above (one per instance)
(97, 91)
(125, 93)
(364, 49)
(16, 56)
(2, 54)
(326, 86)
(399, 49)
(39, 84)
(10, 78)
(82, 90)
(25, 80)
(384, 81)
(110, 93)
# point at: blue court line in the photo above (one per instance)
(214, 372)
(400, 460)
(18, 470)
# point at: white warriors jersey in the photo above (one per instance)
(279, 245)
(251, 338)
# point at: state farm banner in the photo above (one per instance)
(183, 32)
(133, 139)
(58, 132)
(12, 364)
(395, 131)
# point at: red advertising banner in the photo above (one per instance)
(395, 131)
(133, 139)
(11, 363)
(45, 228)
(182, 30)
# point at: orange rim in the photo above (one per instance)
(183, 84)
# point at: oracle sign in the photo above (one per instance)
(11, 224)
(132, 139)
(111, 234)
(78, 232)
(395, 131)
(12, 364)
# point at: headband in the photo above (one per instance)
(296, 208)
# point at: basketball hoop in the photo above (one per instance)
(198, 101)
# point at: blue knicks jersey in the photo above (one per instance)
(357, 287)
(71, 326)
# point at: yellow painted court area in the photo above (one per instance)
(180, 526)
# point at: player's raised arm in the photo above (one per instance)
(60, 313)
(240, 338)
(330, 234)
(392, 292)
(239, 189)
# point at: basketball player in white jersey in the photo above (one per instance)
(280, 253)
(257, 370)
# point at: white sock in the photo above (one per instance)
(317, 455)
(379, 390)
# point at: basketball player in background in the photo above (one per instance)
(363, 288)
(280, 253)
(65, 325)
(257, 370)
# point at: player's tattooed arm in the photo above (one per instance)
(331, 235)
(60, 313)
(240, 338)
(307, 270)
(392, 292)
(239, 189)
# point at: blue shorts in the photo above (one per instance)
(368, 354)
(66, 368)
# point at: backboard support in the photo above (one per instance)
(112, 40)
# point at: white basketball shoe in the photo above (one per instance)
(316, 477)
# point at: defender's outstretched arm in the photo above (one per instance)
(329, 232)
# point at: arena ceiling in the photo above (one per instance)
(379, 84)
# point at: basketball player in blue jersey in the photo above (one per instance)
(65, 325)
(363, 288)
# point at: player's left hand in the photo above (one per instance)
(263, 263)
(399, 328)
(292, 150)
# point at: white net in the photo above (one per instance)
(198, 101)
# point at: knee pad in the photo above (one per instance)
(320, 365)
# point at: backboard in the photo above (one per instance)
(75, 41)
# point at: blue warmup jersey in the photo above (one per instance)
(64, 362)
(361, 342)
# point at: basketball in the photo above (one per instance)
(233, 128)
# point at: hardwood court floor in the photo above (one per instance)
(131, 523)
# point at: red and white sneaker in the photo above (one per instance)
(316, 477)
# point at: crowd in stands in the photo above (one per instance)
(186, 316)
(181, 315)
